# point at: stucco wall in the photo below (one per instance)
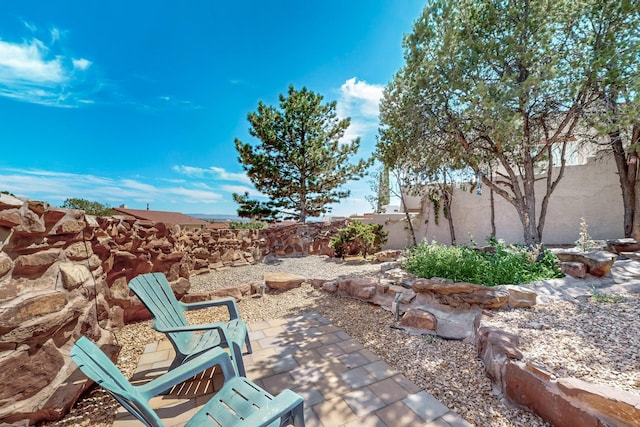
(591, 191)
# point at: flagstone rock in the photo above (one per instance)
(574, 269)
(35, 264)
(598, 263)
(283, 281)
(361, 288)
(6, 264)
(419, 318)
(73, 275)
(10, 218)
(519, 297)
(461, 293)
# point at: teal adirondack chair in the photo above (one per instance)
(156, 294)
(240, 402)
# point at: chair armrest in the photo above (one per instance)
(215, 356)
(230, 302)
(192, 328)
(286, 401)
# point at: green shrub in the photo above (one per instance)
(251, 225)
(514, 264)
(358, 238)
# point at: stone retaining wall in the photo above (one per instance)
(64, 274)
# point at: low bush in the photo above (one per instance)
(506, 264)
(251, 225)
(358, 238)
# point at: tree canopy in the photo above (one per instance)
(496, 86)
(300, 162)
(90, 208)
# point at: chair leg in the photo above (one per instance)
(298, 415)
(237, 358)
(248, 343)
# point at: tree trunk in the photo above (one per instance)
(493, 212)
(408, 216)
(635, 225)
(448, 201)
(627, 184)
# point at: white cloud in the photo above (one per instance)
(81, 64)
(195, 196)
(213, 171)
(359, 98)
(360, 101)
(55, 187)
(26, 63)
(29, 26)
(55, 35)
(32, 71)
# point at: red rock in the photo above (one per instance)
(283, 281)
(416, 318)
(598, 263)
(362, 288)
(574, 269)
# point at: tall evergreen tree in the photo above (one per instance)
(300, 163)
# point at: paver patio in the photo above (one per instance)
(342, 383)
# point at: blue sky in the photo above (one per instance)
(139, 102)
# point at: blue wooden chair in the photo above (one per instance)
(239, 403)
(156, 294)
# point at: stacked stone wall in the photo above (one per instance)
(64, 274)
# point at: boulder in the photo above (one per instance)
(6, 264)
(361, 288)
(387, 255)
(598, 262)
(73, 275)
(35, 264)
(619, 246)
(575, 402)
(574, 269)
(10, 218)
(461, 293)
(79, 251)
(519, 297)
(283, 281)
(494, 348)
(420, 319)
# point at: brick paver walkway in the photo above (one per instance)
(342, 383)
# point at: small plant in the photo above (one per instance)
(251, 225)
(358, 238)
(606, 298)
(508, 264)
(584, 242)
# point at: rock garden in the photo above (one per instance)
(566, 348)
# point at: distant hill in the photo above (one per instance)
(218, 217)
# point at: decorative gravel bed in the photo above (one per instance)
(592, 340)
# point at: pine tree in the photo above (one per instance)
(300, 162)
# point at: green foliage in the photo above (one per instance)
(514, 264)
(7, 193)
(502, 83)
(90, 208)
(252, 225)
(607, 298)
(300, 162)
(254, 209)
(358, 238)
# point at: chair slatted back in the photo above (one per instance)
(98, 367)
(156, 294)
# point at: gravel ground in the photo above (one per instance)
(592, 339)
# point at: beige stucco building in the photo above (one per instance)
(590, 190)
